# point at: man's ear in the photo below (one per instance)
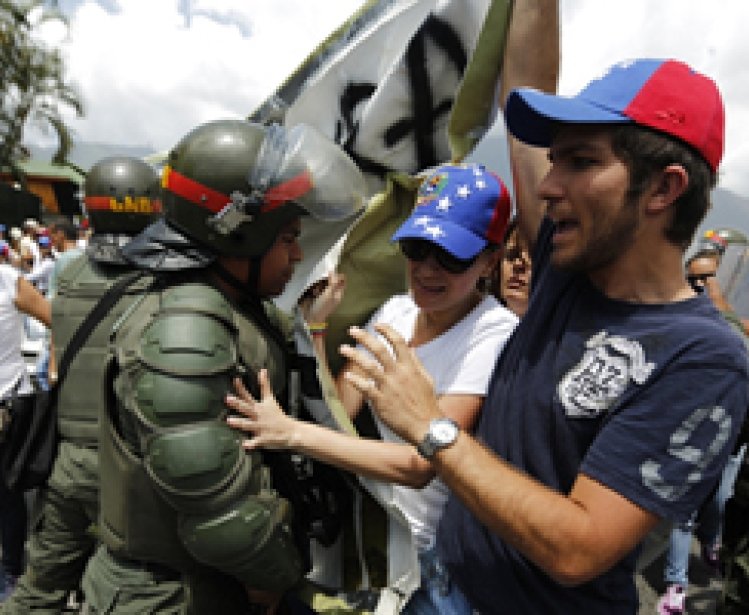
(668, 186)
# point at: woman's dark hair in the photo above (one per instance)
(511, 226)
(647, 152)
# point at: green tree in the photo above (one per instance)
(33, 88)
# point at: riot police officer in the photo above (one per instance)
(190, 522)
(122, 196)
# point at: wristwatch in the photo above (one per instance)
(441, 434)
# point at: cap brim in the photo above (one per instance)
(453, 238)
(531, 115)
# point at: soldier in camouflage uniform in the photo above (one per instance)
(121, 198)
(190, 523)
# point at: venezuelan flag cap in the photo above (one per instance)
(665, 95)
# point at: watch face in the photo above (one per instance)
(444, 432)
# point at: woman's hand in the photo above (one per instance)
(396, 384)
(322, 298)
(265, 420)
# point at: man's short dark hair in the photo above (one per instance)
(647, 152)
(67, 227)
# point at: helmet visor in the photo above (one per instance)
(303, 166)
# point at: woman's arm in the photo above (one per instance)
(316, 307)
(386, 461)
(30, 301)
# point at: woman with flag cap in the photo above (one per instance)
(450, 243)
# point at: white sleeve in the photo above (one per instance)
(9, 281)
(474, 362)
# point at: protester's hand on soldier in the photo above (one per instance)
(263, 419)
(396, 384)
(322, 298)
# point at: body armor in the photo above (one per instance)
(177, 488)
(79, 286)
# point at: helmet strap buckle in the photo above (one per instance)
(240, 209)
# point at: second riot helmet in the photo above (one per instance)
(122, 195)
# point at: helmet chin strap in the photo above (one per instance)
(248, 288)
(249, 298)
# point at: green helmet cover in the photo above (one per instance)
(232, 185)
(122, 195)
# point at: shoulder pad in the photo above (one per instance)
(191, 334)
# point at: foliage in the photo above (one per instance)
(33, 88)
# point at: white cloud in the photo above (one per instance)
(148, 74)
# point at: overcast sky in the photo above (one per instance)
(151, 70)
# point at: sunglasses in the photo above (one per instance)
(418, 250)
(698, 280)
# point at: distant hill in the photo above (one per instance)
(730, 210)
(85, 154)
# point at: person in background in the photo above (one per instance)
(64, 237)
(706, 523)
(18, 299)
(29, 243)
(511, 283)
(60, 545)
(39, 276)
(14, 245)
(451, 243)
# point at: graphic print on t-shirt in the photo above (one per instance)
(602, 375)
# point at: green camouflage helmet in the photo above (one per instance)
(122, 195)
(231, 185)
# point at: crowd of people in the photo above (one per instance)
(533, 393)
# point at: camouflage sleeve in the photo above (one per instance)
(172, 383)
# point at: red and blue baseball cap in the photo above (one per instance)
(461, 208)
(665, 95)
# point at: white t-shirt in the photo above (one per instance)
(12, 365)
(460, 361)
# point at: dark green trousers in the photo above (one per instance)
(62, 536)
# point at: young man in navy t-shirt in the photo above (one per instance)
(619, 397)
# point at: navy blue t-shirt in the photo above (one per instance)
(645, 399)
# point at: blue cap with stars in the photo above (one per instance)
(461, 208)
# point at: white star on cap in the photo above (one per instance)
(434, 231)
(480, 184)
(463, 191)
(444, 204)
(422, 221)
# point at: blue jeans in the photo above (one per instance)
(436, 595)
(705, 523)
(42, 368)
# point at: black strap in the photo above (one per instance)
(94, 317)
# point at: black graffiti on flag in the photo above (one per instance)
(421, 124)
